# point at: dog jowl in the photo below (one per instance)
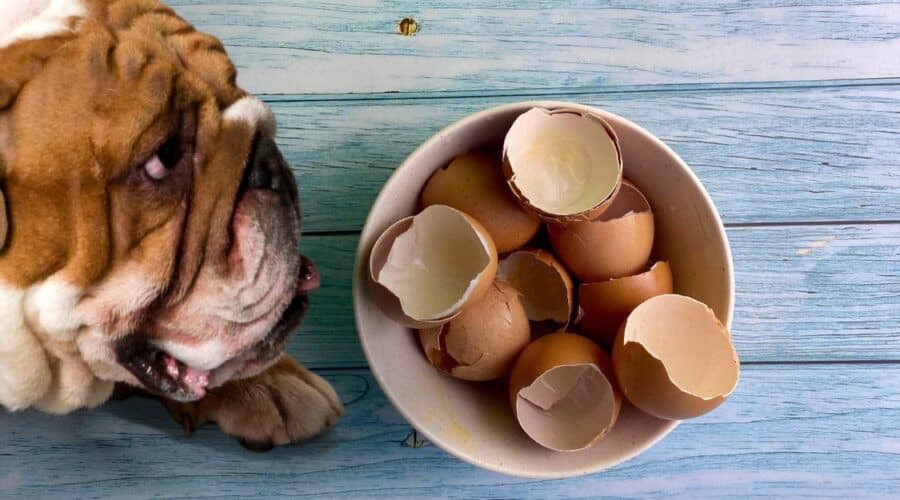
(153, 225)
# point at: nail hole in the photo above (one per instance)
(408, 26)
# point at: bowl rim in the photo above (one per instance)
(361, 264)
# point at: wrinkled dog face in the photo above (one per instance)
(155, 225)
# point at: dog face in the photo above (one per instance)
(154, 225)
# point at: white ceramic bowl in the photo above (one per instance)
(473, 421)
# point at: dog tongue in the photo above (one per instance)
(193, 379)
(309, 278)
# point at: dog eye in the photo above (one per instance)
(160, 165)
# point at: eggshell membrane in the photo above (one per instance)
(616, 244)
(546, 289)
(484, 340)
(563, 392)
(674, 359)
(473, 183)
(603, 306)
(563, 164)
(427, 267)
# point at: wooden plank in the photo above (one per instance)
(804, 293)
(802, 154)
(788, 431)
(296, 46)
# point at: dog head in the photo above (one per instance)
(153, 223)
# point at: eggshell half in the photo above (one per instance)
(564, 164)
(603, 306)
(474, 184)
(674, 359)
(427, 267)
(483, 341)
(546, 289)
(563, 392)
(616, 244)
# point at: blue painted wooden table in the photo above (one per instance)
(788, 111)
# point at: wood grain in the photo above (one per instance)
(786, 110)
(295, 46)
(806, 430)
(807, 154)
(804, 293)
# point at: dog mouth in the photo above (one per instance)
(162, 373)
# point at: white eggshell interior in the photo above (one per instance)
(434, 265)
(567, 407)
(474, 421)
(563, 163)
(690, 343)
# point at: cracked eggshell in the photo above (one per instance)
(563, 392)
(564, 164)
(483, 341)
(616, 244)
(426, 268)
(603, 306)
(674, 359)
(474, 184)
(546, 290)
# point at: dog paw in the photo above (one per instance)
(285, 404)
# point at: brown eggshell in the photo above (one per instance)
(616, 244)
(483, 341)
(674, 359)
(546, 289)
(603, 306)
(563, 164)
(473, 183)
(563, 392)
(462, 259)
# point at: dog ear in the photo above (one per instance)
(18, 64)
(4, 223)
(6, 153)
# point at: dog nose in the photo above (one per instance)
(309, 278)
(267, 169)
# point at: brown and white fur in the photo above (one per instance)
(153, 225)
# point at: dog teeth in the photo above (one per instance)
(172, 367)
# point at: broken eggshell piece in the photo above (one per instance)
(616, 244)
(563, 392)
(474, 184)
(564, 164)
(484, 340)
(427, 267)
(546, 289)
(674, 359)
(603, 306)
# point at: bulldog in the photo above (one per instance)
(149, 226)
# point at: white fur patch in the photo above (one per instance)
(207, 355)
(74, 386)
(35, 19)
(249, 109)
(50, 308)
(24, 372)
(124, 292)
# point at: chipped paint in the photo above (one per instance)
(413, 440)
(816, 244)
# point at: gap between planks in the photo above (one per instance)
(728, 225)
(813, 362)
(537, 93)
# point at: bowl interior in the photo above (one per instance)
(473, 421)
